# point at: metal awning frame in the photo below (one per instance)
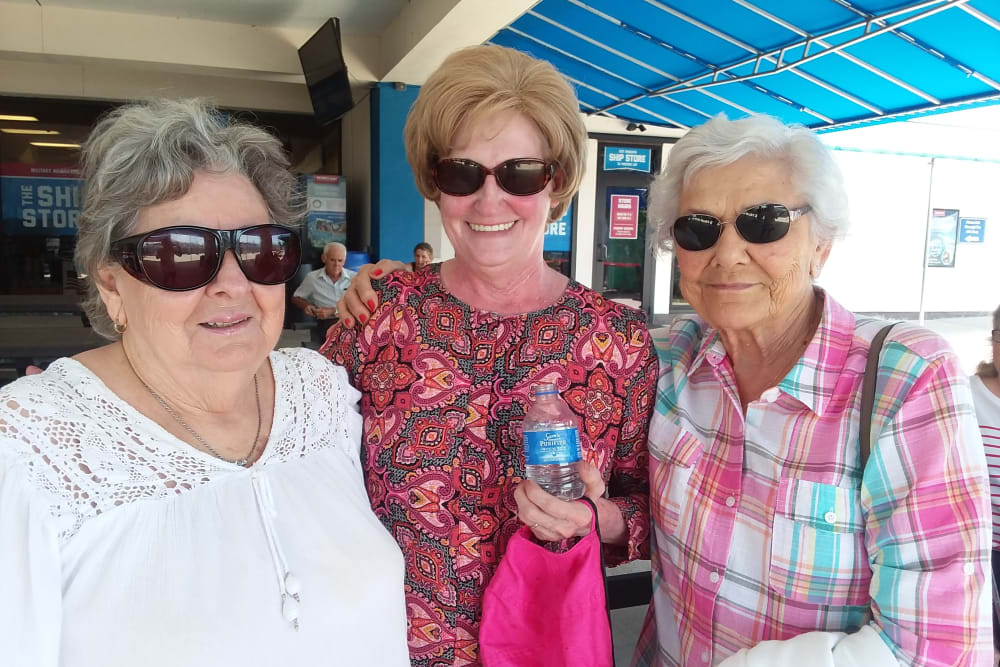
(776, 56)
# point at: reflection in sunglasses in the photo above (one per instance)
(185, 257)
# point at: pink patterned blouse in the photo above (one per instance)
(444, 388)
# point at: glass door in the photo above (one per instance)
(621, 250)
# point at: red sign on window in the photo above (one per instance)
(624, 217)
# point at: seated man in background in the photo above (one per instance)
(423, 254)
(319, 293)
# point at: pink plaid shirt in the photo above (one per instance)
(764, 528)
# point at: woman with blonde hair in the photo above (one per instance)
(448, 359)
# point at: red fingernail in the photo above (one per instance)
(371, 305)
(377, 272)
(362, 318)
(348, 322)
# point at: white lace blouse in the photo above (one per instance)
(122, 546)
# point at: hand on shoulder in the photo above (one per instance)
(360, 300)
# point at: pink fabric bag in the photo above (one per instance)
(545, 609)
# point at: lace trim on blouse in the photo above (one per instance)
(89, 452)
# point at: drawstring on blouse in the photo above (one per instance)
(288, 584)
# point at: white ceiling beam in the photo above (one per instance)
(63, 34)
(425, 32)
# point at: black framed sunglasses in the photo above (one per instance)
(764, 223)
(185, 257)
(521, 176)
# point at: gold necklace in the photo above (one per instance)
(245, 461)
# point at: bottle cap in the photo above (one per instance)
(544, 388)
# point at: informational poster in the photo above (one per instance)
(971, 230)
(326, 220)
(943, 237)
(618, 158)
(558, 234)
(39, 200)
(624, 217)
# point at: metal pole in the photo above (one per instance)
(927, 239)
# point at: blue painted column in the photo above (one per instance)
(397, 207)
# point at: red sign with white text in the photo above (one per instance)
(624, 217)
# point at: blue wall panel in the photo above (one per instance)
(397, 207)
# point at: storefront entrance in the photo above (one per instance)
(621, 247)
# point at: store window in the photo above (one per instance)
(557, 250)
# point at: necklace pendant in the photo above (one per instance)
(242, 462)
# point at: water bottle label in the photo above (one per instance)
(551, 447)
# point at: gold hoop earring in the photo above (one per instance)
(120, 328)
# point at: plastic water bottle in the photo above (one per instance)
(551, 444)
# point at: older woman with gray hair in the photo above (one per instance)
(774, 542)
(185, 495)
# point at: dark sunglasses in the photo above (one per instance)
(764, 223)
(521, 176)
(185, 258)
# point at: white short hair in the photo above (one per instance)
(720, 142)
(333, 244)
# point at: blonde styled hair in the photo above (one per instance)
(988, 369)
(478, 82)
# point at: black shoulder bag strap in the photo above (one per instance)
(868, 393)
(604, 574)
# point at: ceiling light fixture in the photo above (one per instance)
(16, 130)
(632, 127)
(29, 119)
(50, 144)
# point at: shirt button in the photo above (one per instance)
(714, 577)
(830, 517)
(969, 569)
(730, 501)
(704, 656)
(771, 395)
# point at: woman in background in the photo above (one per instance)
(986, 394)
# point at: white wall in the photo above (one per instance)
(586, 203)
(434, 233)
(878, 267)
(663, 269)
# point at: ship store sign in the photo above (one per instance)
(39, 199)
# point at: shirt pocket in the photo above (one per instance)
(818, 553)
(674, 453)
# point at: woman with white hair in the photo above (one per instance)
(773, 543)
(187, 495)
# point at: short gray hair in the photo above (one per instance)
(148, 152)
(720, 142)
(333, 244)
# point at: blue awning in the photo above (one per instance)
(823, 63)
